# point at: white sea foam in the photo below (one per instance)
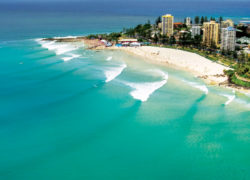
(202, 88)
(230, 98)
(142, 91)
(113, 72)
(244, 102)
(70, 57)
(247, 94)
(59, 48)
(65, 37)
(109, 58)
(161, 73)
(198, 86)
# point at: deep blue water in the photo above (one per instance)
(31, 20)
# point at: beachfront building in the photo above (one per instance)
(211, 33)
(159, 25)
(248, 29)
(127, 42)
(188, 21)
(168, 25)
(228, 38)
(178, 25)
(227, 23)
(243, 40)
(195, 30)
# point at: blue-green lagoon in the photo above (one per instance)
(67, 112)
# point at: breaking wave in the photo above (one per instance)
(67, 37)
(109, 58)
(142, 91)
(230, 98)
(198, 86)
(58, 48)
(161, 73)
(72, 56)
(113, 72)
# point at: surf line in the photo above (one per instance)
(113, 72)
(142, 91)
(230, 98)
(197, 86)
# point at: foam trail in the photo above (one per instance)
(245, 103)
(142, 91)
(113, 72)
(247, 94)
(160, 72)
(202, 88)
(73, 56)
(58, 48)
(198, 86)
(230, 98)
(109, 58)
(65, 37)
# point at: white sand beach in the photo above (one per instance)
(210, 71)
(201, 67)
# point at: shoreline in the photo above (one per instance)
(210, 72)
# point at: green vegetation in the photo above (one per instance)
(234, 80)
(242, 70)
(183, 40)
(197, 20)
(158, 20)
(220, 19)
(142, 32)
(242, 31)
(109, 37)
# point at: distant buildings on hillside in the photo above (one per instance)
(214, 34)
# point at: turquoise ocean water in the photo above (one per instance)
(70, 113)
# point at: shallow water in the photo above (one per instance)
(122, 118)
(71, 113)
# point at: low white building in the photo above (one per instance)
(127, 40)
(244, 40)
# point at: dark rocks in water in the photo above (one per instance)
(76, 39)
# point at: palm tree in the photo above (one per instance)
(202, 20)
(197, 19)
(205, 20)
